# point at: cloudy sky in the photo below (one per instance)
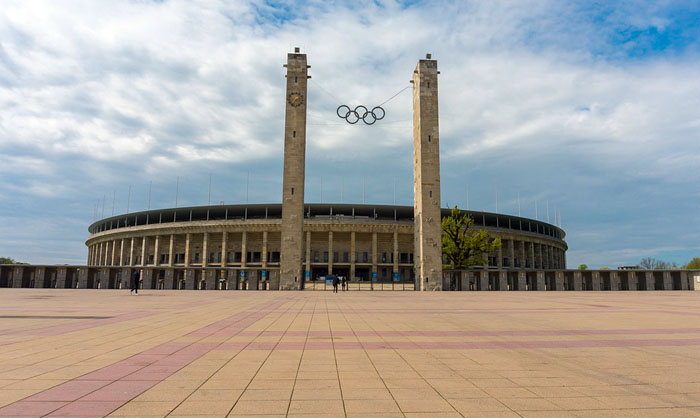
(589, 108)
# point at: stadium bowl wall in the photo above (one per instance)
(357, 241)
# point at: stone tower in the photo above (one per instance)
(426, 176)
(294, 170)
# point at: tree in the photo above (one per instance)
(7, 260)
(583, 267)
(694, 264)
(649, 263)
(463, 246)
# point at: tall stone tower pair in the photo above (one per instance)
(426, 175)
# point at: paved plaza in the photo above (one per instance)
(356, 354)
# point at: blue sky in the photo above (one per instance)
(589, 107)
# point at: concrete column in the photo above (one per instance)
(205, 249)
(614, 280)
(330, 252)
(244, 256)
(540, 262)
(224, 248)
(61, 275)
(503, 280)
(307, 273)
(511, 253)
(156, 250)
(264, 250)
(578, 281)
(99, 255)
(212, 279)
(499, 256)
(143, 251)
(522, 280)
(396, 256)
(595, 279)
(131, 252)
(352, 255)
(121, 252)
(169, 282)
(649, 279)
(684, 280)
(39, 275)
(114, 252)
(483, 279)
(188, 242)
(374, 252)
(426, 173)
(552, 261)
(559, 280)
(293, 172)
(540, 280)
(171, 250)
(668, 281)
(244, 249)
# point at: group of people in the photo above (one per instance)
(343, 281)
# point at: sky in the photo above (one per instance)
(587, 109)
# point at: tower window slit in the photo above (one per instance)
(429, 138)
(292, 190)
(431, 193)
(294, 134)
(296, 79)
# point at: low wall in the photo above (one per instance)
(236, 278)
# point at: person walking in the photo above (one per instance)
(345, 283)
(135, 279)
(335, 284)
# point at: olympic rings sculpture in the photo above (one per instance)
(360, 113)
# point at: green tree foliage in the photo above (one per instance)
(694, 264)
(7, 260)
(583, 267)
(463, 246)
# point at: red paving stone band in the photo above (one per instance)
(104, 390)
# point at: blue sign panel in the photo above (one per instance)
(308, 273)
(374, 274)
(243, 274)
(396, 276)
(264, 273)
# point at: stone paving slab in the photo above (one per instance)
(95, 353)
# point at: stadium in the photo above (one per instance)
(366, 243)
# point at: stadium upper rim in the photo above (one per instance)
(394, 213)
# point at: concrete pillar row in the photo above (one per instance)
(144, 241)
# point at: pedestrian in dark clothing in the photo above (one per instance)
(135, 279)
(335, 284)
(345, 283)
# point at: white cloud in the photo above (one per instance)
(95, 96)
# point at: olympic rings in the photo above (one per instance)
(360, 113)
